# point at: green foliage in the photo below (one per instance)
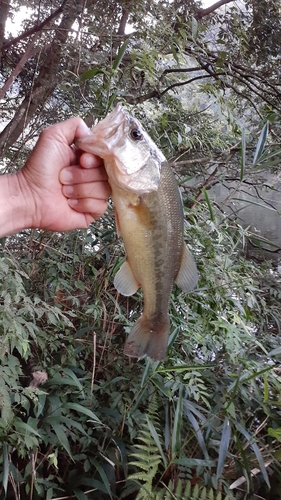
(205, 424)
(105, 425)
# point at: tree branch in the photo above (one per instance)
(35, 29)
(45, 83)
(4, 9)
(205, 12)
(28, 53)
(121, 30)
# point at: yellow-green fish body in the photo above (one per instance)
(149, 215)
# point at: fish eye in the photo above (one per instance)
(136, 134)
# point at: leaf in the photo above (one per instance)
(60, 433)
(198, 433)
(19, 424)
(194, 27)
(123, 453)
(159, 383)
(146, 371)
(256, 450)
(266, 388)
(157, 440)
(183, 368)
(103, 477)
(212, 217)
(176, 434)
(90, 73)
(256, 203)
(5, 466)
(261, 143)
(120, 55)
(224, 444)
(243, 155)
(173, 337)
(276, 433)
(194, 462)
(81, 409)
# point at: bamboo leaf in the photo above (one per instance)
(103, 477)
(82, 409)
(157, 440)
(60, 433)
(212, 217)
(198, 432)
(256, 450)
(183, 368)
(176, 434)
(146, 371)
(224, 444)
(261, 144)
(91, 73)
(120, 55)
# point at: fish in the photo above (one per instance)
(150, 217)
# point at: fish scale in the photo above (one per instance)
(149, 216)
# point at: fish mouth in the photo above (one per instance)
(112, 127)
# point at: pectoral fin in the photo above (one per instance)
(187, 277)
(124, 280)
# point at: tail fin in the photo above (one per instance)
(148, 339)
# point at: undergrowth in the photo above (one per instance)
(205, 424)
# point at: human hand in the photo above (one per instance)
(63, 188)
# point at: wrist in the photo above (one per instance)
(17, 208)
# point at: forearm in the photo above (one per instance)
(16, 210)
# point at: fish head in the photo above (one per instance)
(132, 160)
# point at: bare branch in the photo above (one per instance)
(121, 29)
(205, 12)
(29, 52)
(35, 29)
(44, 84)
(180, 84)
(4, 9)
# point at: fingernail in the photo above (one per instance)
(66, 176)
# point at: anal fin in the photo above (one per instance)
(124, 280)
(187, 277)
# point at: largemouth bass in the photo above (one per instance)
(149, 216)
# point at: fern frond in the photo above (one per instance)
(185, 491)
(148, 453)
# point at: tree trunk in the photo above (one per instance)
(4, 9)
(45, 83)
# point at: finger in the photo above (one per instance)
(88, 160)
(89, 205)
(96, 190)
(78, 175)
(68, 130)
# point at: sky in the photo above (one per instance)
(207, 3)
(12, 26)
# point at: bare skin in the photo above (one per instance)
(59, 188)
